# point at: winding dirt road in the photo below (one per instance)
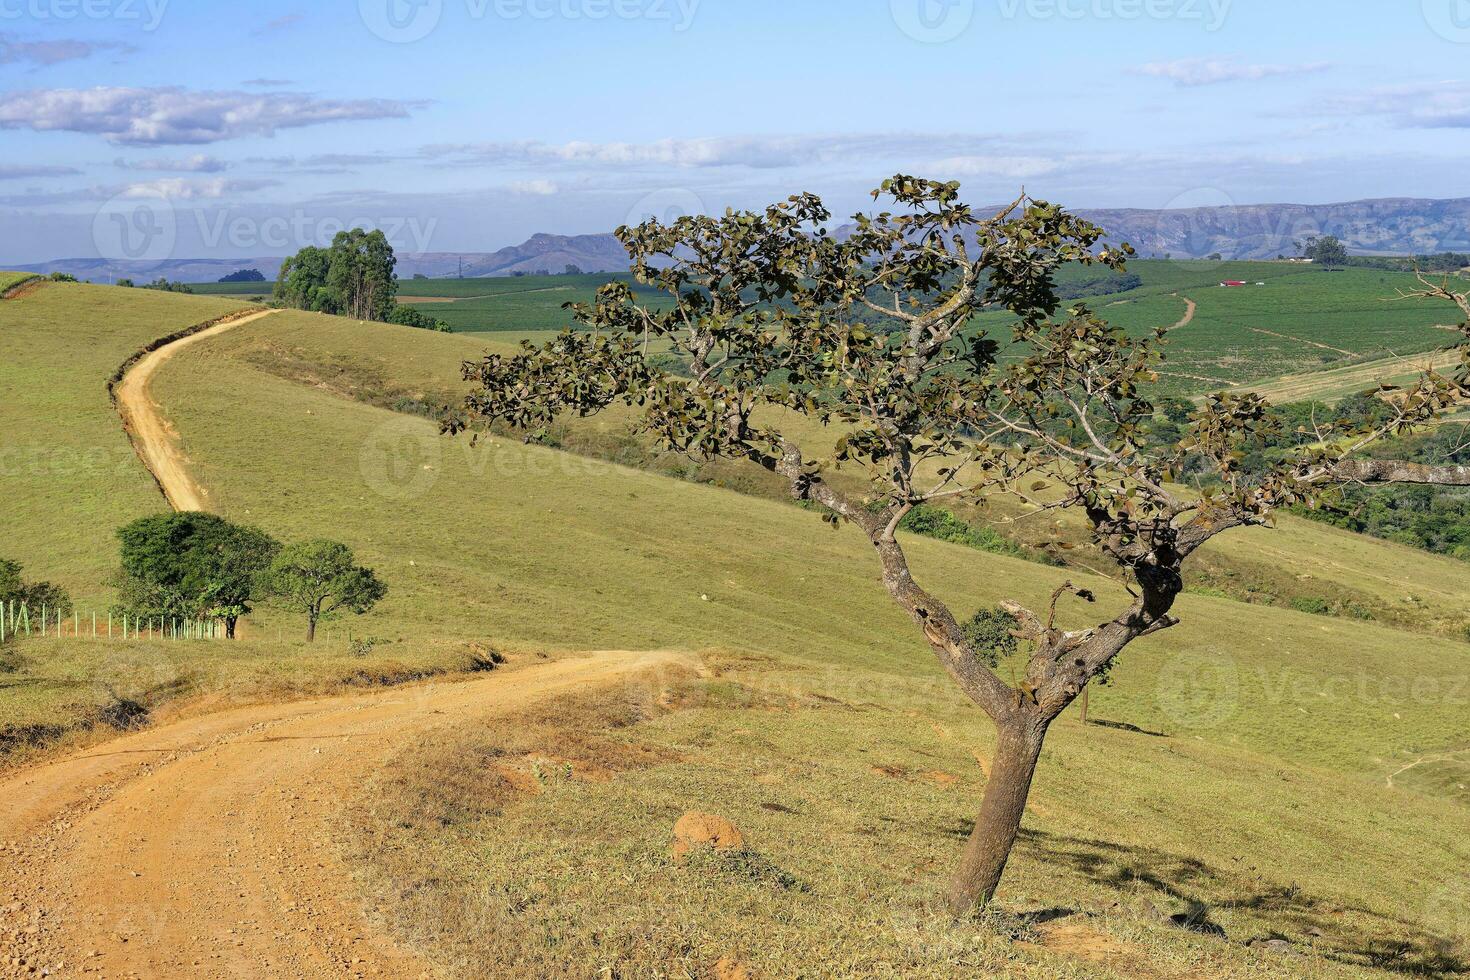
(154, 439)
(203, 848)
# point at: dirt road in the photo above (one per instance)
(156, 441)
(1190, 309)
(203, 848)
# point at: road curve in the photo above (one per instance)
(154, 439)
(203, 848)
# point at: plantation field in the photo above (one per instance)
(1303, 319)
(1265, 771)
(233, 288)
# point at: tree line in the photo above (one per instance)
(353, 277)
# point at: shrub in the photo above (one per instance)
(13, 588)
(1312, 605)
(992, 633)
(407, 316)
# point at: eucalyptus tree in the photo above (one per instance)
(872, 336)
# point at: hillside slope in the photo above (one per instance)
(1256, 772)
(543, 550)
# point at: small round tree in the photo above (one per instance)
(321, 579)
(192, 565)
(871, 336)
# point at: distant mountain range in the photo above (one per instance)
(1390, 226)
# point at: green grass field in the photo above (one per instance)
(1243, 772)
(9, 279)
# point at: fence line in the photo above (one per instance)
(17, 620)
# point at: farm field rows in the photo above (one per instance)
(1301, 320)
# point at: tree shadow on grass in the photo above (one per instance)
(1344, 933)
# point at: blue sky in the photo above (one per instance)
(470, 124)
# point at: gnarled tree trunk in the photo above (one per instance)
(999, 822)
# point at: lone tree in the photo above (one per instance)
(192, 566)
(321, 579)
(1327, 250)
(870, 336)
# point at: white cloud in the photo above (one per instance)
(183, 189)
(534, 188)
(46, 53)
(1011, 167)
(1445, 105)
(1194, 72)
(199, 163)
(12, 171)
(161, 116)
(285, 22)
(754, 152)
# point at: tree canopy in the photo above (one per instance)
(770, 311)
(192, 566)
(322, 579)
(353, 277)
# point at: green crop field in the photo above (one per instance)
(233, 288)
(1270, 772)
(1302, 320)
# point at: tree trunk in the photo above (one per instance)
(310, 628)
(989, 848)
(230, 627)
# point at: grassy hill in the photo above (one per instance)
(1260, 771)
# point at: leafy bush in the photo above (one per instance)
(1312, 605)
(992, 633)
(13, 588)
(62, 277)
(936, 522)
(407, 316)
